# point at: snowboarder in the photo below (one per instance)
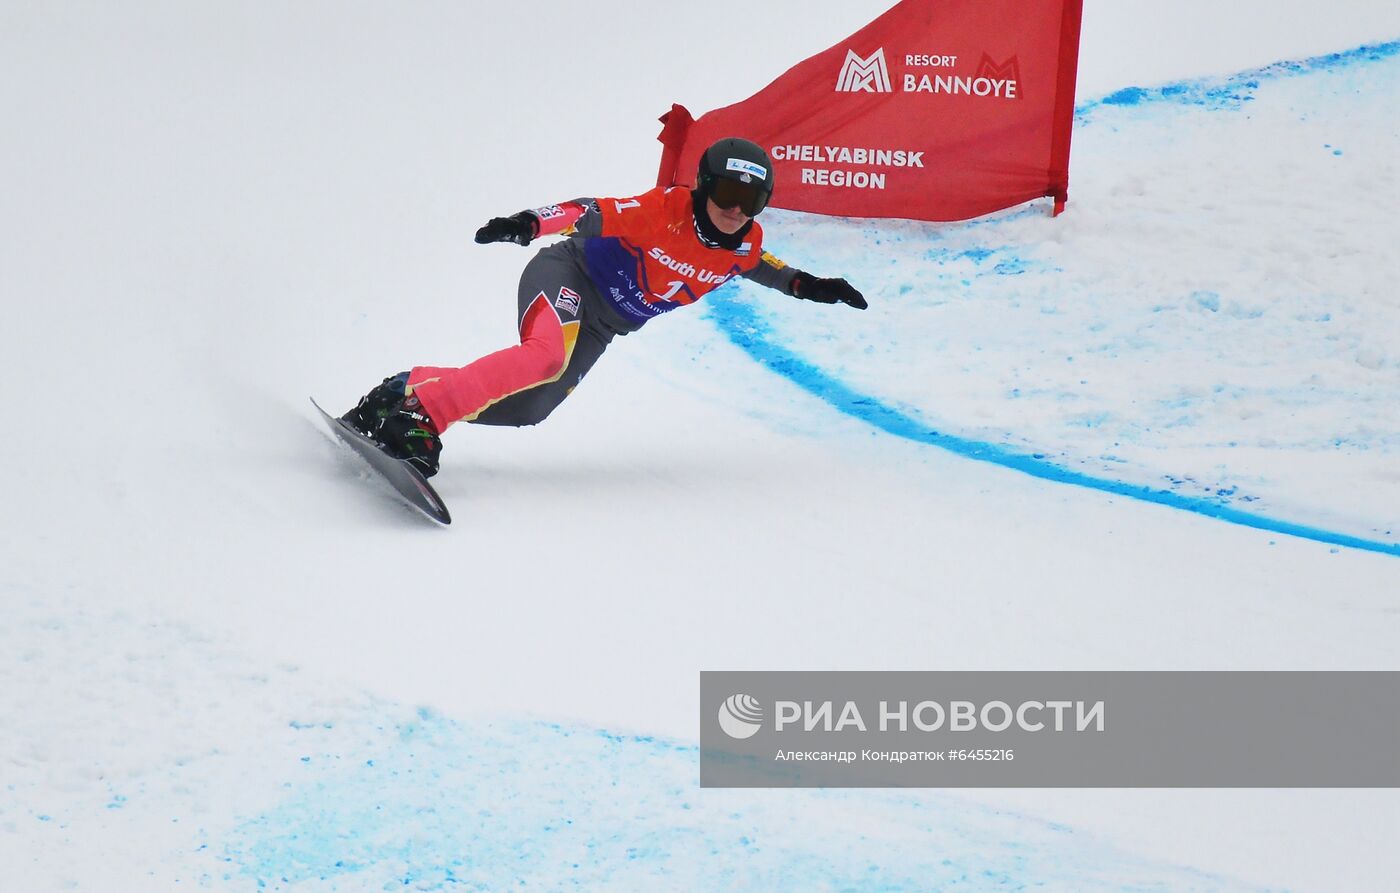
(626, 260)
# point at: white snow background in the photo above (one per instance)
(227, 663)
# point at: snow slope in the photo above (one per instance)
(225, 663)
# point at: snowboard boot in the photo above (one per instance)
(398, 424)
(410, 435)
(375, 406)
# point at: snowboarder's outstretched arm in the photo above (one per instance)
(580, 215)
(789, 280)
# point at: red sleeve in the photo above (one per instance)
(557, 218)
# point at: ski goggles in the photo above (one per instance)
(751, 198)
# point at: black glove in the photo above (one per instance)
(826, 291)
(519, 228)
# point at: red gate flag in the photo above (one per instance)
(937, 110)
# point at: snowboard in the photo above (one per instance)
(406, 480)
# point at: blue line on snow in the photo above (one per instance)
(742, 324)
(1238, 87)
(744, 327)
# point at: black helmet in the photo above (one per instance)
(736, 173)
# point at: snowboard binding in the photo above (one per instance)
(396, 421)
